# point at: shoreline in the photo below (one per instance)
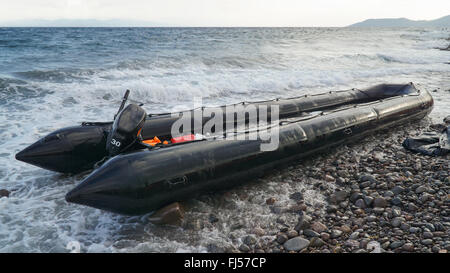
(379, 197)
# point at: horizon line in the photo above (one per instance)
(122, 23)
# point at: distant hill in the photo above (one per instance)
(404, 22)
(79, 23)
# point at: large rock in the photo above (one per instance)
(172, 214)
(4, 193)
(296, 244)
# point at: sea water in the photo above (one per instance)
(56, 77)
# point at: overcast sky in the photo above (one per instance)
(226, 12)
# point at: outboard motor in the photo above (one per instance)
(126, 129)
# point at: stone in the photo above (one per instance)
(396, 201)
(397, 190)
(427, 235)
(397, 221)
(291, 233)
(281, 220)
(426, 197)
(277, 209)
(340, 180)
(296, 244)
(374, 246)
(213, 218)
(213, 248)
(297, 196)
(270, 201)
(259, 231)
(414, 230)
(343, 204)
(4, 193)
(363, 243)
(329, 178)
(318, 227)
(356, 196)
(396, 244)
(282, 238)
(379, 202)
(338, 197)
(237, 225)
(439, 226)
(250, 240)
(244, 248)
(351, 243)
(427, 242)
(359, 211)
(335, 233)
(360, 204)
(385, 245)
(325, 236)
(368, 200)
(408, 247)
(435, 249)
(354, 235)
(310, 233)
(172, 214)
(405, 226)
(345, 229)
(420, 189)
(303, 223)
(430, 226)
(316, 242)
(396, 212)
(378, 210)
(412, 207)
(368, 178)
(332, 209)
(388, 194)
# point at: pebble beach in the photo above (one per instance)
(371, 196)
(380, 198)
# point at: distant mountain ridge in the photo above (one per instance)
(404, 22)
(79, 23)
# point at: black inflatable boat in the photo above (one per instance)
(78, 148)
(139, 181)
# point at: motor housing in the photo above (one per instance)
(126, 129)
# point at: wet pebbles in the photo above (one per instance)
(380, 198)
